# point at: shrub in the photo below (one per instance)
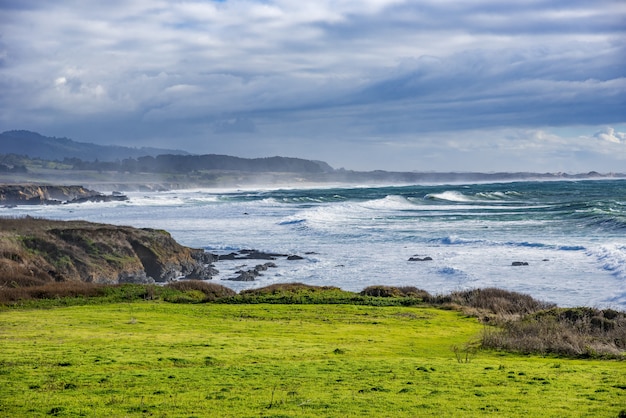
(211, 291)
(51, 290)
(382, 291)
(573, 332)
(396, 292)
(21, 280)
(497, 301)
(279, 288)
(296, 293)
(414, 292)
(188, 296)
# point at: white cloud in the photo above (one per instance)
(610, 135)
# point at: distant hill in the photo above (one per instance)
(36, 145)
(189, 163)
(83, 156)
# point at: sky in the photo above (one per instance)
(429, 85)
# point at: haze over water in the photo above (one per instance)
(571, 234)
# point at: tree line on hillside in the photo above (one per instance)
(170, 163)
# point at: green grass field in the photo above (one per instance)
(183, 360)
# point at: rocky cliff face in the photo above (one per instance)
(32, 194)
(34, 251)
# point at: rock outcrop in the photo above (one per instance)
(35, 251)
(32, 194)
(421, 258)
(252, 274)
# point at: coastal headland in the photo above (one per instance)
(36, 251)
(46, 194)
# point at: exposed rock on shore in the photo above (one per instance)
(257, 255)
(31, 194)
(251, 255)
(35, 251)
(250, 275)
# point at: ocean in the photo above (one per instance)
(569, 236)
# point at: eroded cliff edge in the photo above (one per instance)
(35, 251)
(35, 194)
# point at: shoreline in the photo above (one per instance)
(240, 180)
(65, 241)
(504, 227)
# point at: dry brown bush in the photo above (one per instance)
(412, 291)
(20, 279)
(212, 291)
(51, 290)
(575, 332)
(496, 301)
(382, 291)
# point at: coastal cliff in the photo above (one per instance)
(33, 194)
(35, 251)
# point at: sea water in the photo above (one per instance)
(572, 234)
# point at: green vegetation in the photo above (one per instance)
(287, 350)
(513, 322)
(160, 359)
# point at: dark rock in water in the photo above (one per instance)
(98, 198)
(204, 257)
(259, 255)
(263, 267)
(231, 256)
(250, 275)
(421, 259)
(519, 263)
(295, 257)
(251, 255)
(201, 273)
(245, 276)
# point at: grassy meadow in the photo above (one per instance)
(154, 358)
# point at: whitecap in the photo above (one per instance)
(450, 195)
(390, 202)
(612, 258)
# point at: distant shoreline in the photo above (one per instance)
(237, 180)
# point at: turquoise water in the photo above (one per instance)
(571, 234)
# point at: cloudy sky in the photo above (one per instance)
(445, 85)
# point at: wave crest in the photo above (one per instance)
(450, 196)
